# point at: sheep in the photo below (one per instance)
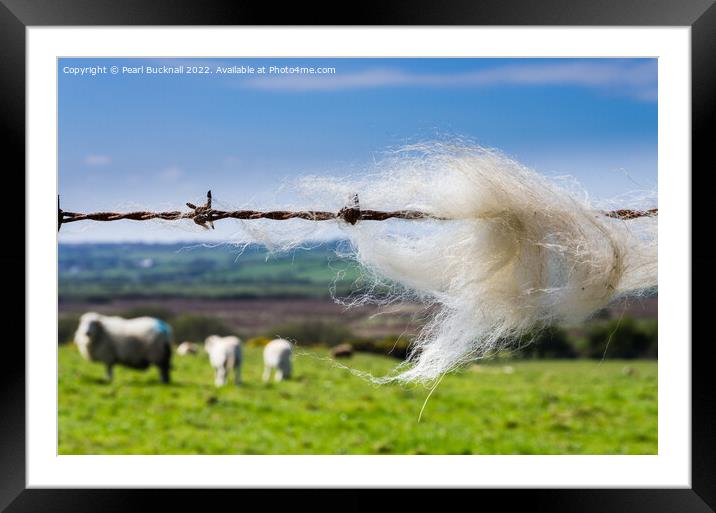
(277, 356)
(135, 343)
(224, 355)
(186, 348)
(342, 351)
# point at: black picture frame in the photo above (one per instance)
(17, 15)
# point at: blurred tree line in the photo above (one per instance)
(610, 338)
(599, 338)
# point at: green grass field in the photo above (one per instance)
(532, 407)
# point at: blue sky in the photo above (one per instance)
(156, 141)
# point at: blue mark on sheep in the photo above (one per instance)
(163, 327)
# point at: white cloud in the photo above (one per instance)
(94, 160)
(634, 79)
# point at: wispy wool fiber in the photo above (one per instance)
(514, 252)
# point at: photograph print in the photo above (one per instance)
(373, 256)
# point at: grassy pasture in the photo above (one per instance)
(527, 407)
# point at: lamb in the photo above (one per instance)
(136, 343)
(224, 355)
(277, 357)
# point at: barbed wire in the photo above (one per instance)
(205, 215)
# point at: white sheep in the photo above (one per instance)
(135, 343)
(277, 356)
(224, 355)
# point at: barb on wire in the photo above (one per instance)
(205, 215)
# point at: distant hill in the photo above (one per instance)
(96, 272)
(100, 273)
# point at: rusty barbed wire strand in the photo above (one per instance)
(632, 214)
(205, 215)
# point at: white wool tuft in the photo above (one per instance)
(513, 250)
(517, 252)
